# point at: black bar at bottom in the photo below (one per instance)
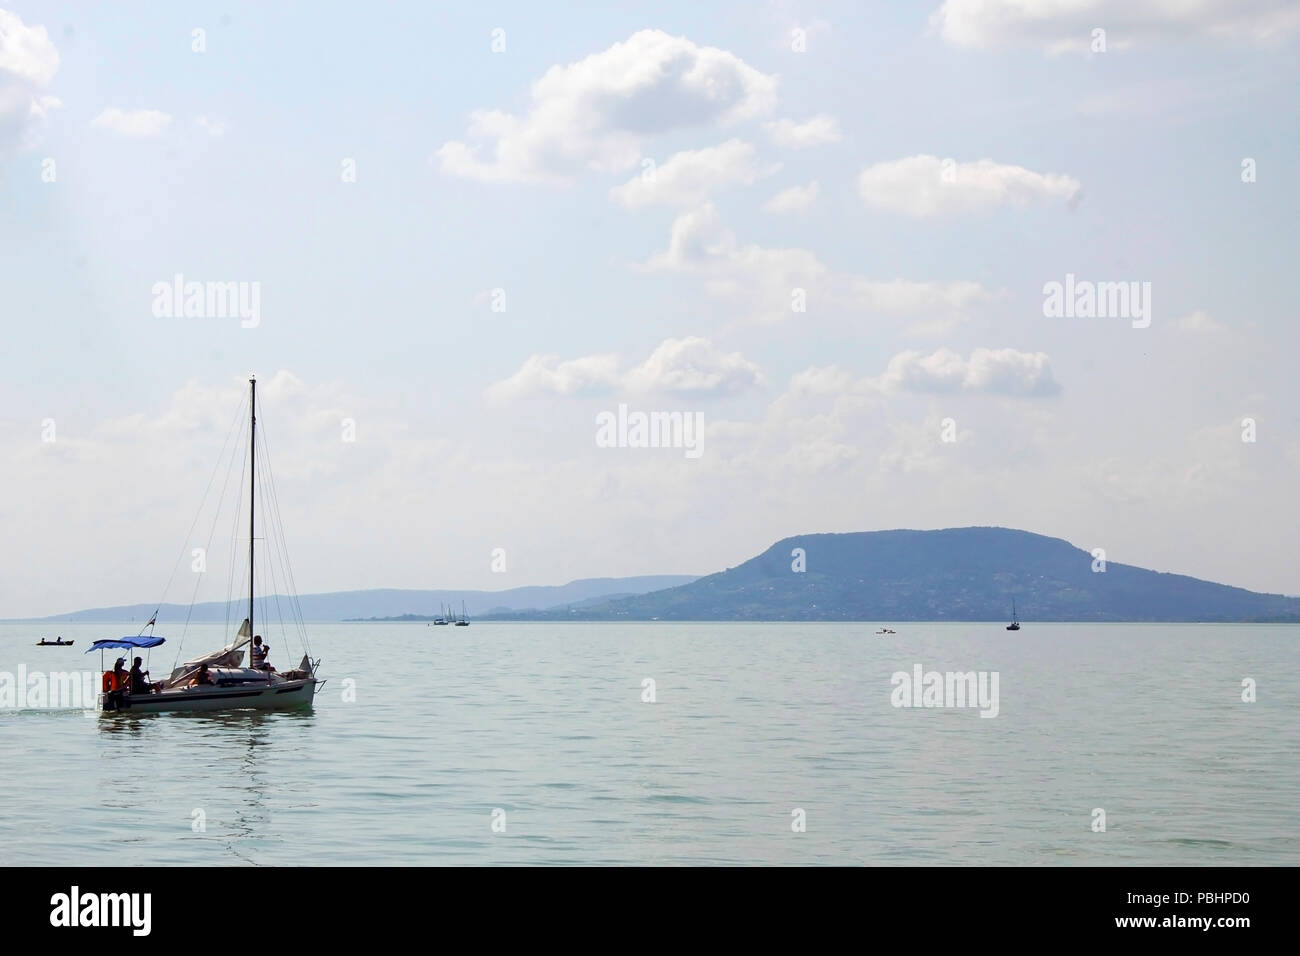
(924, 905)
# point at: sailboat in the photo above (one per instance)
(1015, 619)
(463, 621)
(441, 619)
(217, 681)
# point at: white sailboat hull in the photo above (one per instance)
(270, 696)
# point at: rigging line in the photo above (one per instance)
(203, 501)
(299, 622)
(231, 567)
(278, 551)
(289, 565)
(274, 549)
(216, 517)
(286, 567)
(272, 554)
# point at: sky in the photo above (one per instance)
(826, 232)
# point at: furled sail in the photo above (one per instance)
(228, 656)
(241, 636)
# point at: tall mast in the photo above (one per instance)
(252, 476)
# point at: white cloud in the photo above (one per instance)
(928, 186)
(596, 113)
(26, 52)
(1065, 25)
(28, 62)
(693, 365)
(216, 128)
(822, 128)
(794, 199)
(989, 371)
(765, 280)
(690, 365)
(686, 178)
(132, 122)
(541, 374)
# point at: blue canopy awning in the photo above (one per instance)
(127, 642)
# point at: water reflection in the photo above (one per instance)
(236, 768)
(125, 724)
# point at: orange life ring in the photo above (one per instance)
(110, 682)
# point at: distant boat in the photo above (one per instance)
(1015, 619)
(464, 621)
(57, 642)
(885, 630)
(442, 617)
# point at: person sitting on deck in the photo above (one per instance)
(139, 679)
(257, 657)
(202, 677)
(119, 674)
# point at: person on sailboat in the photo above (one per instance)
(139, 679)
(258, 654)
(203, 677)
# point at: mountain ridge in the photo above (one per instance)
(380, 602)
(957, 574)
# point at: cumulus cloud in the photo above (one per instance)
(686, 178)
(690, 365)
(1065, 26)
(928, 186)
(988, 371)
(26, 52)
(794, 199)
(548, 374)
(28, 62)
(596, 113)
(132, 122)
(823, 380)
(766, 280)
(693, 365)
(215, 128)
(821, 129)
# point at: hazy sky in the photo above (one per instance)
(558, 211)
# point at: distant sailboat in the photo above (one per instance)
(442, 617)
(464, 621)
(1015, 619)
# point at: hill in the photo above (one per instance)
(391, 602)
(957, 574)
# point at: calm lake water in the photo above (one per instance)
(750, 723)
